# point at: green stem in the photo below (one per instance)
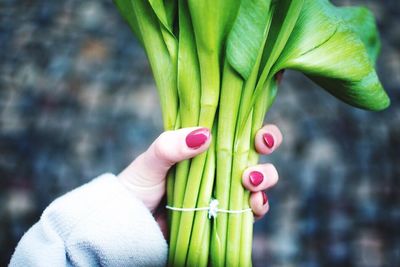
(189, 86)
(260, 109)
(241, 145)
(170, 193)
(190, 201)
(210, 83)
(162, 60)
(191, 196)
(201, 225)
(236, 195)
(246, 238)
(228, 109)
(189, 100)
(203, 256)
(182, 169)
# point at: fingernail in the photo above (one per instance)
(265, 198)
(256, 178)
(268, 140)
(197, 138)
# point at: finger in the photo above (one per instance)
(145, 176)
(260, 177)
(169, 148)
(259, 204)
(267, 139)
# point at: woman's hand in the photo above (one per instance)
(146, 175)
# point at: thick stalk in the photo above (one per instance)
(189, 86)
(203, 259)
(190, 201)
(246, 239)
(182, 169)
(240, 229)
(171, 179)
(162, 60)
(210, 83)
(191, 197)
(240, 144)
(189, 109)
(210, 23)
(201, 225)
(228, 108)
(236, 195)
(170, 193)
(170, 186)
(261, 106)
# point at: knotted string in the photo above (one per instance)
(212, 209)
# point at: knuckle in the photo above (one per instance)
(163, 137)
(161, 150)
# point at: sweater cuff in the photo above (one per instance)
(102, 221)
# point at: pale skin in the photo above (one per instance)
(145, 177)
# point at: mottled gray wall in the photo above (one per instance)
(77, 99)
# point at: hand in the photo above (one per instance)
(146, 175)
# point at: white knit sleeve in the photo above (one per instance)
(98, 224)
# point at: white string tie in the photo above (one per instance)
(212, 209)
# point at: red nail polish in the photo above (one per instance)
(265, 198)
(197, 138)
(268, 140)
(256, 178)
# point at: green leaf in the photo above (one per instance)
(285, 16)
(362, 22)
(189, 87)
(160, 11)
(165, 27)
(314, 26)
(212, 20)
(171, 7)
(161, 60)
(248, 35)
(128, 14)
(329, 46)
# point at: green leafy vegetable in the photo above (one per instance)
(215, 63)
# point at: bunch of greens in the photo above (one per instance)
(214, 63)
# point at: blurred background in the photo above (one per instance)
(77, 99)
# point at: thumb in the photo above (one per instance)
(145, 176)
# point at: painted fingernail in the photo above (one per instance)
(265, 198)
(268, 140)
(256, 178)
(197, 138)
